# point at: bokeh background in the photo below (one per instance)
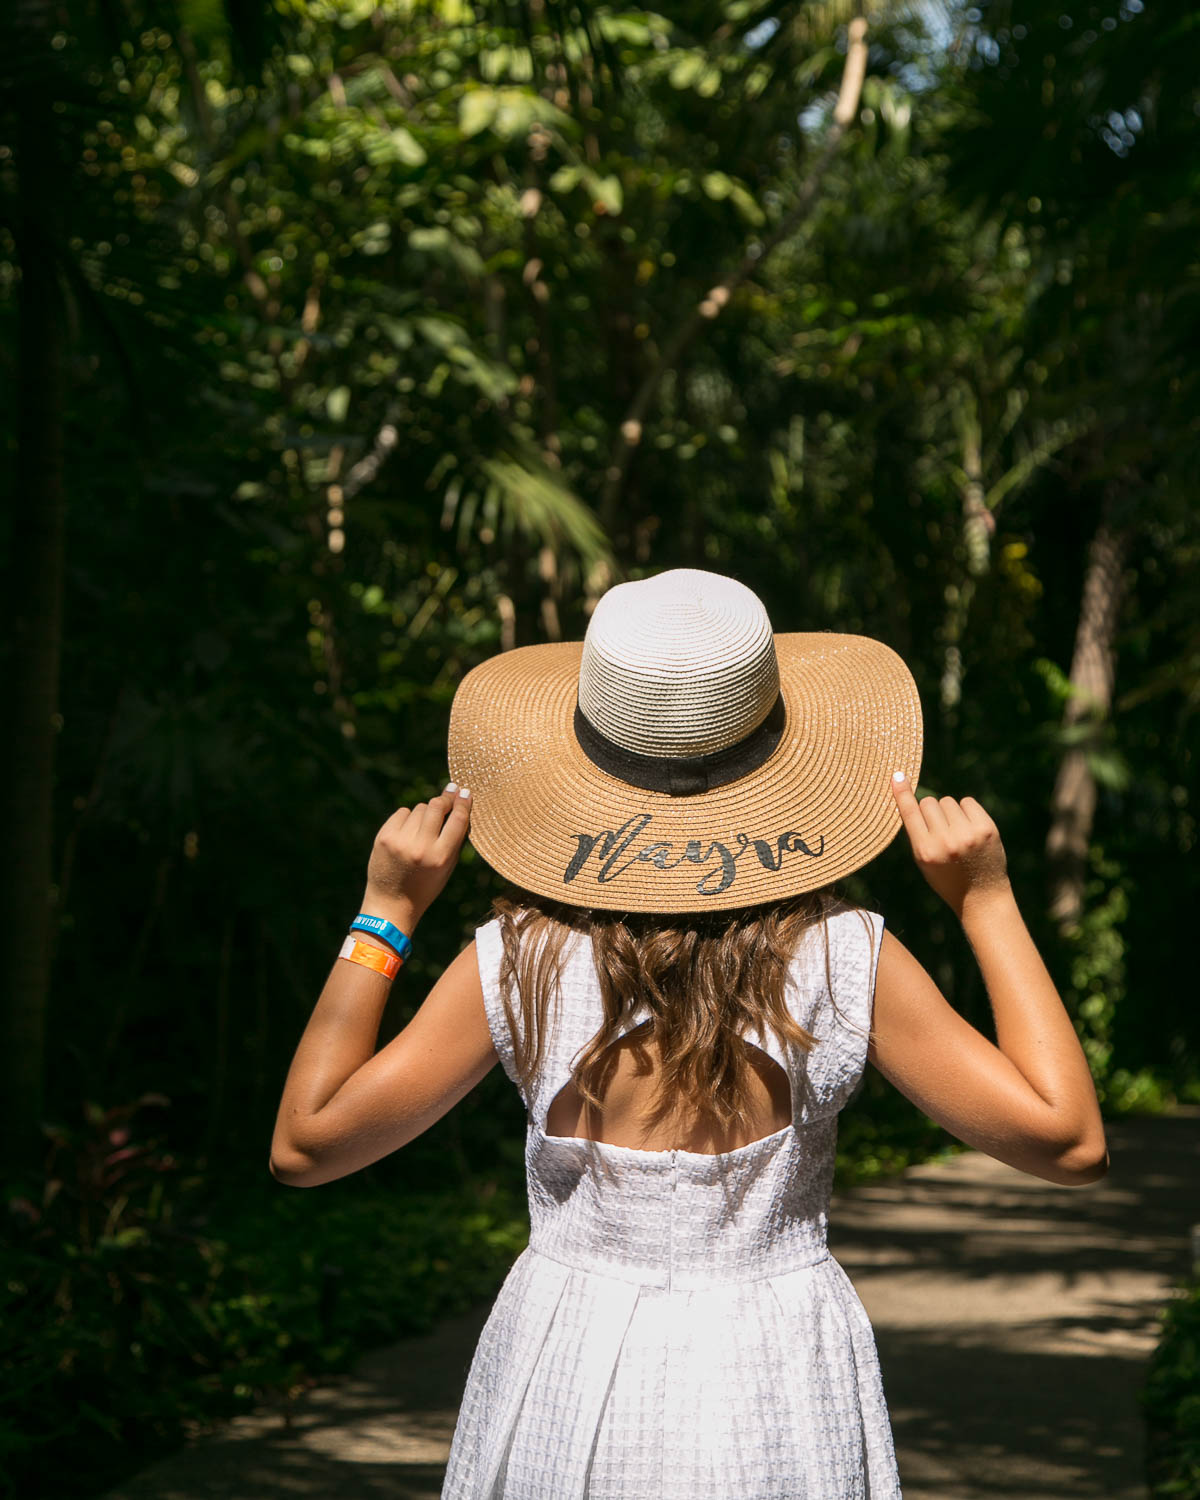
(345, 344)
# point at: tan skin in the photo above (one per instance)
(1028, 1100)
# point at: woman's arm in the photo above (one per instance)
(1028, 1101)
(344, 1105)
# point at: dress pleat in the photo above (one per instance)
(594, 1313)
(505, 1359)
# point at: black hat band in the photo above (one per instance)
(682, 775)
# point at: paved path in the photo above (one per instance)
(1013, 1317)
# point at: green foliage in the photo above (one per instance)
(1170, 1400)
(1098, 965)
(144, 1301)
(1098, 989)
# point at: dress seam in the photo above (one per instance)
(591, 1270)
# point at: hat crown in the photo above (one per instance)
(679, 664)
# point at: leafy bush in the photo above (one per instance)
(1170, 1400)
(139, 1307)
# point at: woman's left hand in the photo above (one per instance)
(414, 853)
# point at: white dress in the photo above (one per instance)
(677, 1327)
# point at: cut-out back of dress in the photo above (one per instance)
(821, 1080)
(629, 1116)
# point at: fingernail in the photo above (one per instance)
(464, 792)
(897, 775)
(450, 788)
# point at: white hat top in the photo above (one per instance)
(679, 664)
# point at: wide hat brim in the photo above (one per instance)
(819, 807)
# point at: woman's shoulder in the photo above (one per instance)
(846, 921)
(837, 951)
(492, 935)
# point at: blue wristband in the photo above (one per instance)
(384, 929)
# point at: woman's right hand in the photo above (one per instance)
(956, 845)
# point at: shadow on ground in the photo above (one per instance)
(382, 1431)
(1015, 1318)
(1014, 1321)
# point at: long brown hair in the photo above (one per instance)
(705, 977)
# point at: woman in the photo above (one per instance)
(685, 1007)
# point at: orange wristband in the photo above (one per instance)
(387, 964)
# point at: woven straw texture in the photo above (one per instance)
(677, 1327)
(550, 820)
(680, 664)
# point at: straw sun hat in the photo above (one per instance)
(682, 757)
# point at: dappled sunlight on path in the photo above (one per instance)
(383, 1431)
(1014, 1320)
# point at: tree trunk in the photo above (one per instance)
(978, 528)
(1073, 803)
(35, 588)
